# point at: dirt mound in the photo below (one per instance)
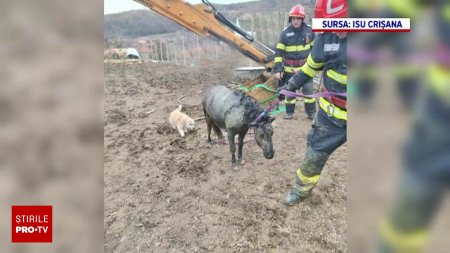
(164, 193)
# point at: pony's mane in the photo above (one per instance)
(252, 108)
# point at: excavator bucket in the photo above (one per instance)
(262, 88)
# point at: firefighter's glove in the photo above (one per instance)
(278, 76)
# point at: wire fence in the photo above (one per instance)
(187, 48)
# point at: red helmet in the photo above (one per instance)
(297, 11)
(331, 9)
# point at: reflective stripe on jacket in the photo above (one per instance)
(329, 55)
(294, 44)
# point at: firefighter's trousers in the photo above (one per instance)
(424, 181)
(307, 89)
(325, 136)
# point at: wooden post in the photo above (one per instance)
(167, 51)
(184, 51)
(160, 50)
(215, 48)
(198, 52)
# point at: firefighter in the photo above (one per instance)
(425, 180)
(406, 73)
(294, 45)
(329, 129)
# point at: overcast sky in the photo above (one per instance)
(114, 6)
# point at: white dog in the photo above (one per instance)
(181, 121)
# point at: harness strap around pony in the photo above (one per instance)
(266, 111)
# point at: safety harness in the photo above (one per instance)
(329, 101)
(335, 100)
(294, 63)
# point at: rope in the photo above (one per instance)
(197, 119)
(256, 86)
(186, 105)
(266, 111)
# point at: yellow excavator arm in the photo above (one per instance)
(204, 19)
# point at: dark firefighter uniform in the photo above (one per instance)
(426, 177)
(329, 129)
(425, 180)
(406, 74)
(291, 52)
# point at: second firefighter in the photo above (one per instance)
(294, 45)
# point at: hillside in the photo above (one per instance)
(140, 23)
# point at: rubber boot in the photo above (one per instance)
(307, 176)
(294, 196)
(310, 109)
(288, 116)
(290, 108)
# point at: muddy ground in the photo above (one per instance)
(164, 193)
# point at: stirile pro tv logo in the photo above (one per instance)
(31, 223)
